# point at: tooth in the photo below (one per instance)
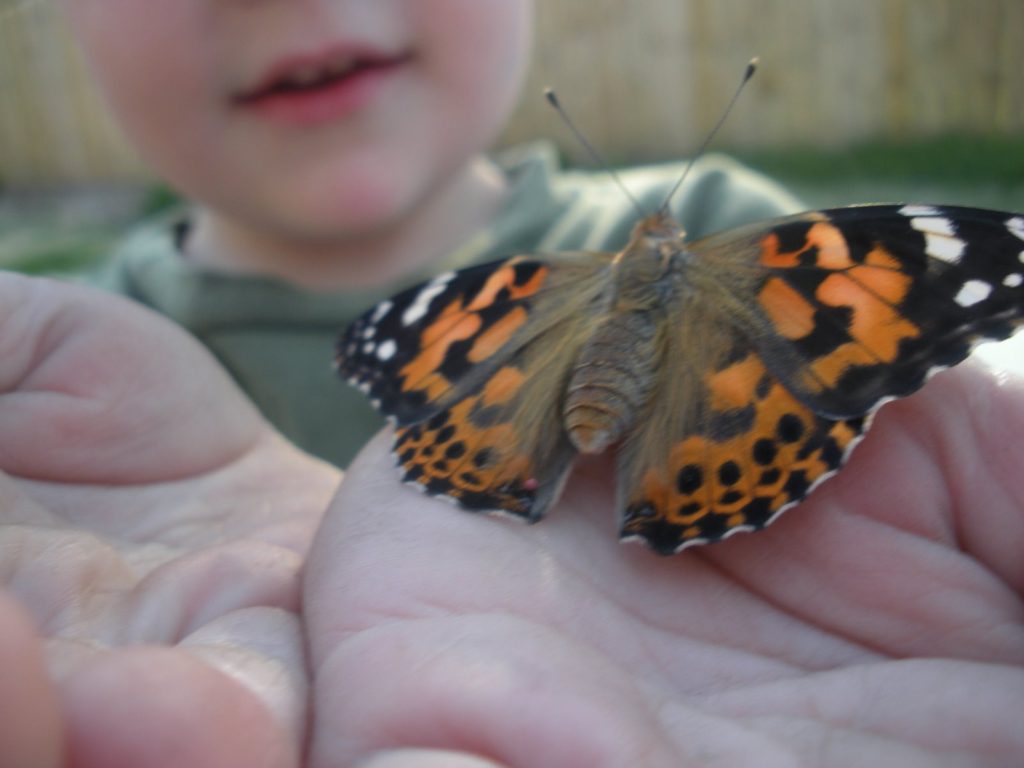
(305, 75)
(340, 67)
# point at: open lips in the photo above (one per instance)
(304, 75)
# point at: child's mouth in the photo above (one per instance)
(322, 88)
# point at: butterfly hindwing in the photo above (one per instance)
(498, 449)
(746, 451)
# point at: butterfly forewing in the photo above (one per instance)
(430, 345)
(861, 304)
(411, 353)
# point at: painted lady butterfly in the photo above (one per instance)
(732, 374)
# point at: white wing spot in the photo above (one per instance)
(421, 303)
(937, 225)
(939, 235)
(919, 210)
(386, 350)
(369, 332)
(944, 248)
(1013, 281)
(1016, 227)
(973, 292)
(368, 348)
(380, 310)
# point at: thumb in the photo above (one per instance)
(94, 388)
(426, 758)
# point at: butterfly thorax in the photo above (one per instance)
(643, 270)
(614, 373)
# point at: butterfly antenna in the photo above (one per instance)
(596, 156)
(747, 74)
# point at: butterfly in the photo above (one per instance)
(731, 375)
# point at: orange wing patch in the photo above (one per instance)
(454, 325)
(827, 243)
(441, 342)
(846, 314)
(496, 336)
(790, 313)
(505, 284)
(876, 326)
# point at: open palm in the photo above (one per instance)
(153, 527)
(154, 530)
(880, 623)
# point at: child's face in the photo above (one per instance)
(209, 91)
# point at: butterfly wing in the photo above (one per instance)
(860, 304)
(797, 331)
(471, 366)
(725, 446)
(422, 348)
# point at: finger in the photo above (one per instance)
(30, 731)
(94, 388)
(159, 708)
(261, 649)
(19, 508)
(983, 456)
(926, 711)
(496, 686)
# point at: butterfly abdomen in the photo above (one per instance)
(611, 381)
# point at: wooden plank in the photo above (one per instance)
(54, 127)
(646, 80)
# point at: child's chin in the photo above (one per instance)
(321, 217)
(365, 207)
(336, 226)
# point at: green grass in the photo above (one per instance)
(949, 159)
(41, 238)
(987, 173)
(46, 233)
(46, 253)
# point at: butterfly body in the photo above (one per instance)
(615, 369)
(731, 375)
(612, 380)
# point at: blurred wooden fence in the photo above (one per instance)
(645, 78)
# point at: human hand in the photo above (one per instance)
(879, 623)
(433, 628)
(153, 527)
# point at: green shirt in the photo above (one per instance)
(277, 340)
